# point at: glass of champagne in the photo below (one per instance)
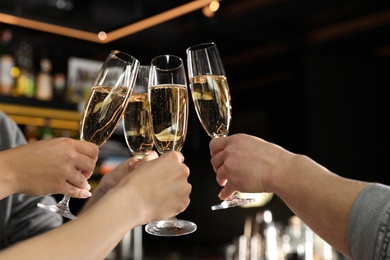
(136, 123)
(168, 101)
(104, 108)
(211, 97)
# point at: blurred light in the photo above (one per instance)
(157, 19)
(47, 27)
(209, 11)
(102, 35)
(110, 36)
(61, 4)
(267, 216)
(15, 72)
(214, 6)
(260, 199)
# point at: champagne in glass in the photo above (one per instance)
(103, 111)
(211, 97)
(104, 108)
(168, 100)
(136, 123)
(169, 105)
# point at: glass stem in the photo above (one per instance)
(64, 203)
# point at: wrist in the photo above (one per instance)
(282, 178)
(8, 180)
(121, 198)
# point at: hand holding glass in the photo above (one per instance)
(211, 97)
(103, 108)
(168, 101)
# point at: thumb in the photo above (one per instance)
(226, 192)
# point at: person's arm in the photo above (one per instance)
(60, 165)
(319, 197)
(111, 179)
(20, 218)
(157, 189)
(322, 199)
(369, 223)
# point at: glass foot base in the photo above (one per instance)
(170, 227)
(233, 201)
(63, 211)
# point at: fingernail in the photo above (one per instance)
(87, 194)
(89, 186)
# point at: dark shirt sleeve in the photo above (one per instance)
(369, 224)
(20, 218)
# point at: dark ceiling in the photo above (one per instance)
(255, 37)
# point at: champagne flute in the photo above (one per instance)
(168, 101)
(104, 108)
(211, 97)
(136, 124)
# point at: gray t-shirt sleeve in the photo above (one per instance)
(20, 218)
(10, 134)
(369, 224)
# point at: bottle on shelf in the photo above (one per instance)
(7, 63)
(257, 236)
(294, 231)
(44, 82)
(47, 131)
(31, 132)
(25, 82)
(59, 85)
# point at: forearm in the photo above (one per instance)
(92, 236)
(96, 195)
(7, 178)
(109, 181)
(320, 198)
